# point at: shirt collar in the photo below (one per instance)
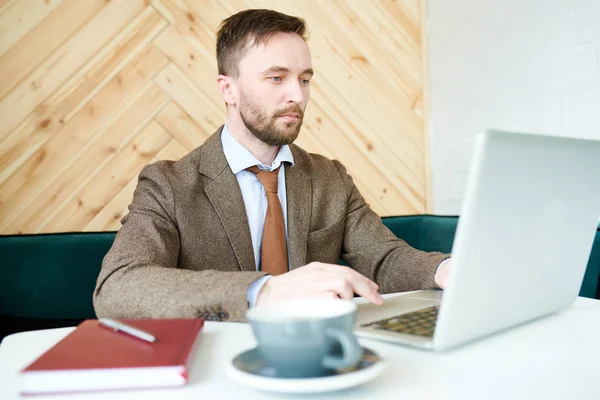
(239, 158)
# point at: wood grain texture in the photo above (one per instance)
(16, 21)
(91, 91)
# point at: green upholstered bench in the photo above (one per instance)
(47, 280)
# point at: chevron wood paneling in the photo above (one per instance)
(91, 91)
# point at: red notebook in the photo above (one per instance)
(94, 357)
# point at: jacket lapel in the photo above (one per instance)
(226, 197)
(299, 196)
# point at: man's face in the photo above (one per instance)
(273, 86)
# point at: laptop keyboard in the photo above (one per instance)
(420, 322)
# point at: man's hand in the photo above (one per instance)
(441, 276)
(318, 280)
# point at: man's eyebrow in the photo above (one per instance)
(285, 69)
(276, 69)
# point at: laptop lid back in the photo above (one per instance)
(524, 236)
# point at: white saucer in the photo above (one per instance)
(249, 369)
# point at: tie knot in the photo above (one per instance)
(267, 178)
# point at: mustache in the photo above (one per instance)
(291, 110)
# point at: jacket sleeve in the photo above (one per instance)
(140, 277)
(373, 250)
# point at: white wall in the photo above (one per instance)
(525, 65)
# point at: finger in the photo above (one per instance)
(332, 283)
(345, 287)
(323, 295)
(368, 293)
(342, 287)
(347, 271)
(366, 288)
(361, 285)
(337, 270)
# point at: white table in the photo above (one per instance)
(557, 357)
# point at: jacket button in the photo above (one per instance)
(223, 316)
(213, 317)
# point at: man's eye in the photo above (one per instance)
(276, 78)
(305, 81)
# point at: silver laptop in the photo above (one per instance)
(524, 236)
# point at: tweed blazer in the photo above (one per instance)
(184, 248)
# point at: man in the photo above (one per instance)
(248, 218)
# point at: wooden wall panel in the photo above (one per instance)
(91, 91)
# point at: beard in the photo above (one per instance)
(270, 129)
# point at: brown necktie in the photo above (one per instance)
(274, 259)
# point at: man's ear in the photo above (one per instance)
(227, 89)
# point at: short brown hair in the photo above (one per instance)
(248, 28)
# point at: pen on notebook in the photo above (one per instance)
(130, 330)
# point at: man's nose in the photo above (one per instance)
(295, 93)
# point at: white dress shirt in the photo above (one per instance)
(254, 195)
